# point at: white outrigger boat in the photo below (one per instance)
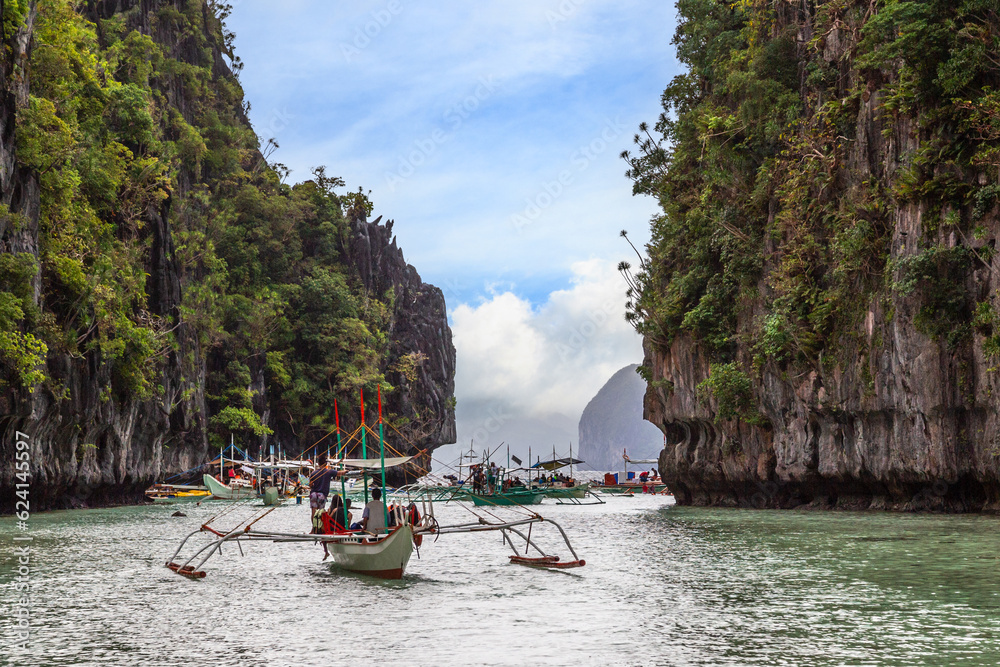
(238, 489)
(384, 554)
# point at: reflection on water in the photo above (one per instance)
(663, 586)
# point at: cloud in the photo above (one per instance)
(550, 359)
(559, 71)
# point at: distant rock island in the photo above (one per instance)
(612, 421)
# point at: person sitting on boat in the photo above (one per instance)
(336, 514)
(373, 519)
(319, 489)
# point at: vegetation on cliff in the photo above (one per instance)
(774, 241)
(126, 129)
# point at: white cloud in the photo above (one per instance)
(562, 69)
(552, 359)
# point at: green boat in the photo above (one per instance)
(507, 498)
(578, 491)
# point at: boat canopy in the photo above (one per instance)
(555, 464)
(228, 461)
(263, 465)
(641, 461)
(373, 464)
(284, 464)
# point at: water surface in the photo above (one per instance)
(663, 585)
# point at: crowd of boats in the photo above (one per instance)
(485, 483)
(383, 547)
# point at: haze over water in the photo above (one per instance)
(663, 585)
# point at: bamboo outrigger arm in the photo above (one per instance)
(188, 568)
(507, 527)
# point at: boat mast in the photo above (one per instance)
(381, 451)
(340, 455)
(364, 444)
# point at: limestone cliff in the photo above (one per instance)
(819, 301)
(211, 298)
(419, 330)
(612, 423)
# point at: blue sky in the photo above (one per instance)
(490, 131)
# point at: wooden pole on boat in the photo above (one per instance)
(381, 451)
(364, 444)
(340, 455)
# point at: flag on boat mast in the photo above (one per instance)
(514, 458)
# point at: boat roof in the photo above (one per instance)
(642, 461)
(373, 464)
(282, 464)
(555, 464)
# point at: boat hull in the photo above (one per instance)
(385, 558)
(224, 492)
(507, 499)
(180, 497)
(579, 491)
(632, 488)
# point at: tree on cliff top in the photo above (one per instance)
(771, 244)
(123, 127)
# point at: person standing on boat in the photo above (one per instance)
(372, 519)
(319, 489)
(491, 478)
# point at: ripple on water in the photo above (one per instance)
(663, 586)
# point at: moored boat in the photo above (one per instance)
(170, 493)
(625, 486)
(631, 488)
(576, 491)
(237, 490)
(507, 498)
(559, 486)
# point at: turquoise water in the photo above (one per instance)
(663, 586)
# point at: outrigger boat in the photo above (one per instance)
(513, 496)
(238, 489)
(177, 493)
(570, 491)
(628, 487)
(384, 554)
